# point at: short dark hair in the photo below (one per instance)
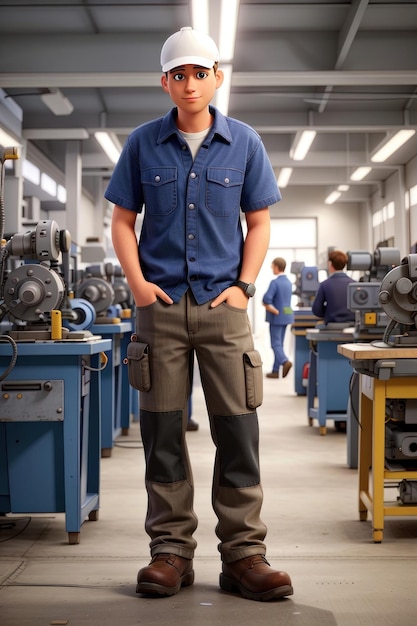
(338, 259)
(280, 263)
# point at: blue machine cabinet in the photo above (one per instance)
(116, 397)
(328, 379)
(50, 430)
(303, 320)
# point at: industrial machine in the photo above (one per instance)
(104, 286)
(398, 298)
(50, 401)
(363, 296)
(306, 282)
(306, 285)
(401, 443)
(29, 292)
(34, 280)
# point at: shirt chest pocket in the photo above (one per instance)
(223, 190)
(159, 186)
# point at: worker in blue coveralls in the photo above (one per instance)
(192, 172)
(277, 302)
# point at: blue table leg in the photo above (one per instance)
(302, 353)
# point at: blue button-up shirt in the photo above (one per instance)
(191, 235)
(279, 295)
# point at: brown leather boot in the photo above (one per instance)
(286, 368)
(272, 375)
(165, 575)
(254, 579)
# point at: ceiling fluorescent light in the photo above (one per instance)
(8, 141)
(360, 173)
(301, 145)
(284, 177)
(61, 194)
(392, 145)
(343, 188)
(229, 12)
(57, 102)
(332, 197)
(110, 144)
(200, 16)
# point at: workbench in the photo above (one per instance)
(384, 374)
(50, 412)
(328, 378)
(116, 396)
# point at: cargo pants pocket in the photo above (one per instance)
(253, 378)
(138, 365)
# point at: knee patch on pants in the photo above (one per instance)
(162, 442)
(238, 449)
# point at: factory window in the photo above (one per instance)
(33, 174)
(383, 215)
(294, 239)
(390, 208)
(61, 194)
(294, 233)
(377, 218)
(48, 184)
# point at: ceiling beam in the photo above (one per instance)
(239, 79)
(349, 29)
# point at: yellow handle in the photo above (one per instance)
(11, 153)
(56, 324)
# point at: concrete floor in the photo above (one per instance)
(340, 576)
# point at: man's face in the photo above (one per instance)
(191, 87)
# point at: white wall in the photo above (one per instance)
(397, 228)
(338, 224)
(411, 180)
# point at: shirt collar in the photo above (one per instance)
(220, 126)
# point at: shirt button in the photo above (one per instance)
(191, 236)
(157, 179)
(192, 259)
(227, 181)
(191, 206)
(193, 277)
(193, 175)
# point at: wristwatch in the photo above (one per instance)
(248, 288)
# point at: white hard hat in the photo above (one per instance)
(188, 46)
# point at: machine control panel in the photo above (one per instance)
(32, 401)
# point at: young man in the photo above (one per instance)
(193, 171)
(277, 302)
(330, 302)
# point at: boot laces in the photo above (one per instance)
(258, 559)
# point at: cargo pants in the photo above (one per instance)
(160, 361)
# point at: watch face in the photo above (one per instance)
(250, 290)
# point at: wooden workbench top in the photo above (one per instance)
(357, 351)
